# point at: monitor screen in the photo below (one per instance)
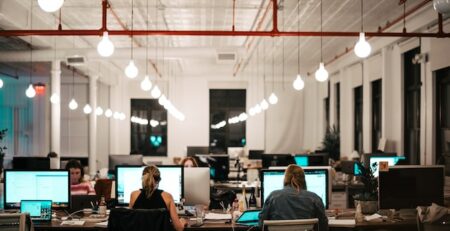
(51, 185)
(129, 179)
(255, 154)
(403, 187)
(115, 160)
(392, 161)
(31, 163)
(39, 210)
(301, 160)
(317, 181)
(219, 165)
(193, 150)
(318, 159)
(277, 160)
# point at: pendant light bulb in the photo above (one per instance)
(87, 109)
(99, 111)
(162, 100)
(258, 109)
(298, 83)
(1, 83)
(146, 84)
(108, 113)
(73, 104)
(321, 73)
(30, 92)
(273, 99)
(156, 93)
(105, 47)
(54, 99)
(264, 104)
(362, 48)
(131, 71)
(50, 5)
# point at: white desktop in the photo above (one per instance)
(196, 186)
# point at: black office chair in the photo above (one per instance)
(123, 219)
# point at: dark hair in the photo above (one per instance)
(75, 164)
(52, 155)
(194, 162)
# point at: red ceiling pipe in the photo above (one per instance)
(105, 5)
(275, 16)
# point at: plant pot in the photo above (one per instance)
(367, 207)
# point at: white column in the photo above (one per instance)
(55, 136)
(93, 126)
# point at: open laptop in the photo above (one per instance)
(249, 218)
(80, 202)
(40, 210)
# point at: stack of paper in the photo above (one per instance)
(218, 216)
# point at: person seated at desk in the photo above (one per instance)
(150, 197)
(294, 201)
(77, 185)
(189, 162)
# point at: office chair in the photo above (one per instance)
(15, 222)
(124, 219)
(440, 225)
(291, 225)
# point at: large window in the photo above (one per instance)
(358, 94)
(443, 118)
(223, 105)
(412, 84)
(376, 114)
(148, 128)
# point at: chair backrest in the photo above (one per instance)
(291, 225)
(15, 222)
(124, 219)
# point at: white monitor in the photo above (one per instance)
(196, 186)
(129, 179)
(317, 181)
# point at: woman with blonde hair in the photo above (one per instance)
(150, 197)
(189, 162)
(294, 201)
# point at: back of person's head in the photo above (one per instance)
(52, 155)
(185, 162)
(75, 164)
(150, 179)
(295, 177)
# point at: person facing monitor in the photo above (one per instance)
(294, 201)
(77, 184)
(150, 197)
(189, 162)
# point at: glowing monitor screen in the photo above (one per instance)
(392, 161)
(40, 210)
(37, 185)
(316, 182)
(301, 161)
(129, 179)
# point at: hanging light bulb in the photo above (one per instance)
(264, 104)
(298, 83)
(162, 100)
(116, 115)
(131, 70)
(156, 93)
(50, 5)
(87, 109)
(108, 113)
(273, 99)
(99, 111)
(73, 104)
(105, 47)
(30, 92)
(252, 111)
(54, 99)
(258, 109)
(362, 47)
(146, 84)
(321, 73)
(1, 83)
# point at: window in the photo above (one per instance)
(412, 84)
(338, 104)
(358, 94)
(148, 128)
(376, 114)
(327, 112)
(223, 105)
(442, 155)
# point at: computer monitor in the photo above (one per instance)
(391, 160)
(196, 186)
(255, 154)
(31, 163)
(129, 179)
(301, 160)
(39, 210)
(318, 159)
(317, 181)
(235, 152)
(219, 165)
(132, 160)
(51, 185)
(365, 158)
(193, 150)
(277, 160)
(406, 187)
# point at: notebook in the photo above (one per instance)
(249, 218)
(39, 210)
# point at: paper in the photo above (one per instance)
(218, 216)
(342, 222)
(372, 217)
(73, 223)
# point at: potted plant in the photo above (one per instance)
(368, 198)
(2, 149)
(331, 142)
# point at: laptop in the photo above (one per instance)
(40, 210)
(249, 218)
(80, 202)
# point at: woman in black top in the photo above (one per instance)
(150, 197)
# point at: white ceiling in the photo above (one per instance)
(179, 51)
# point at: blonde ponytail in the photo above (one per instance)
(150, 179)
